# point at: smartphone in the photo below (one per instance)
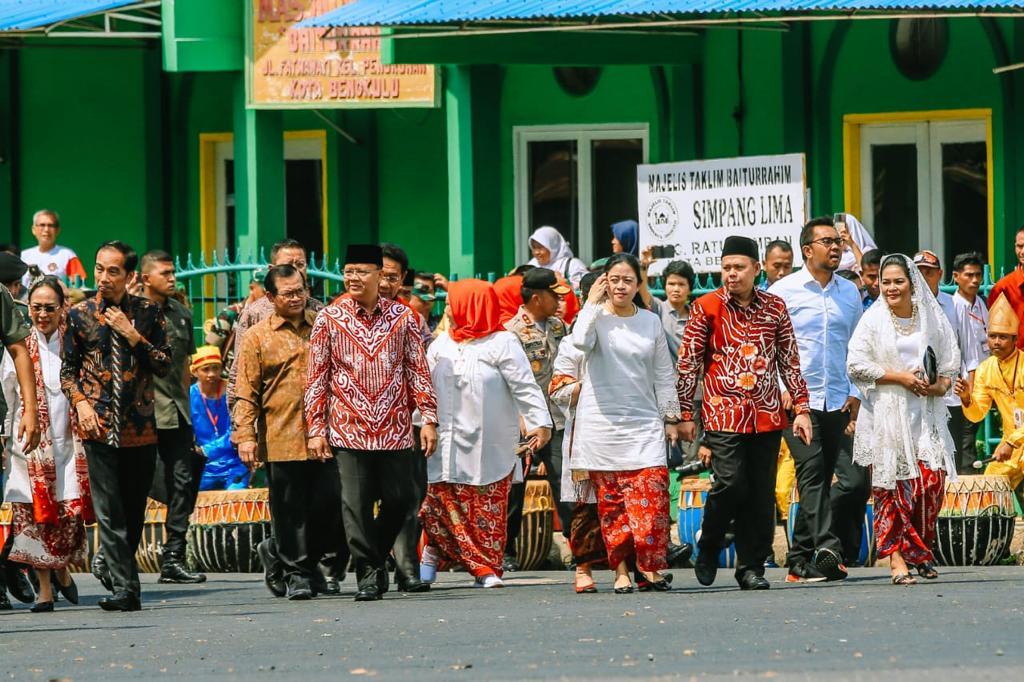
(663, 251)
(839, 221)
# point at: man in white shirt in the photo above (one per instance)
(825, 310)
(972, 319)
(48, 256)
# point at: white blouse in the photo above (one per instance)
(629, 387)
(483, 386)
(17, 487)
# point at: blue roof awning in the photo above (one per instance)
(26, 15)
(420, 12)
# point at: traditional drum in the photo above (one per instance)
(534, 542)
(225, 528)
(867, 554)
(692, 493)
(975, 524)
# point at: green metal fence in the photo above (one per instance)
(213, 285)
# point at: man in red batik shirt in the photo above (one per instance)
(367, 368)
(740, 339)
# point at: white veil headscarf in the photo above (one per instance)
(859, 234)
(884, 439)
(563, 261)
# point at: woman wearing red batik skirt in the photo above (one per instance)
(627, 408)
(484, 386)
(48, 488)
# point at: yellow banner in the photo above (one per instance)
(299, 67)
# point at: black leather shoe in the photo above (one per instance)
(70, 591)
(368, 593)
(645, 585)
(332, 585)
(753, 581)
(510, 564)
(121, 601)
(705, 567)
(679, 555)
(18, 584)
(101, 572)
(413, 586)
(272, 576)
(174, 571)
(299, 589)
(42, 607)
(383, 582)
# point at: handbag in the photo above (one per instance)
(931, 367)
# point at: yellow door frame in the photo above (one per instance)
(208, 183)
(852, 162)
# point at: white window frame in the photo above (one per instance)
(583, 135)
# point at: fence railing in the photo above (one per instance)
(213, 285)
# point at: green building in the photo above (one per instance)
(139, 120)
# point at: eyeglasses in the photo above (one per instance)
(290, 295)
(830, 241)
(357, 274)
(391, 278)
(41, 308)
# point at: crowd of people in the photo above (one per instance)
(378, 424)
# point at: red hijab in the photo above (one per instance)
(510, 296)
(572, 305)
(475, 310)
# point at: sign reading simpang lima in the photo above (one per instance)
(695, 205)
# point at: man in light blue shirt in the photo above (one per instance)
(825, 310)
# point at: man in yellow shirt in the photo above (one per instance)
(1000, 379)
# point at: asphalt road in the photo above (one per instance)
(967, 625)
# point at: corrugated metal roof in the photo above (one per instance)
(415, 12)
(24, 15)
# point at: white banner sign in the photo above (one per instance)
(692, 206)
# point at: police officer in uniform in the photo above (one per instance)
(539, 329)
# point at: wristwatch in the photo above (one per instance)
(672, 420)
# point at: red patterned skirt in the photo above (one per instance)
(45, 545)
(633, 508)
(905, 516)
(585, 538)
(466, 523)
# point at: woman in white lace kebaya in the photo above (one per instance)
(627, 407)
(901, 431)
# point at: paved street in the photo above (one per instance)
(968, 625)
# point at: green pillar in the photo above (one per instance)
(472, 100)
(355, 193)
(259, 176)
(9, 228)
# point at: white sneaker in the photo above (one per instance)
(488, 581)
(428, 565)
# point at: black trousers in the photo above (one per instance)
(366, 477)
(176, 482)
(305, 509)
(120, 479)
(965, 434)
(849, 498)
(551, 455)
(744, 492)
(815, 464)
(407, 560)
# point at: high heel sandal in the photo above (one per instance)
(625, 589)
(903, 579)
(645, 585)
(927, 571)
(42, 607)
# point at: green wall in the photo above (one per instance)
(85, 147)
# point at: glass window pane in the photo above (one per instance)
(894, 184)
(554, 187)
(964, 198)
(613, 188)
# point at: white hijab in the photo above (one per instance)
(884, 439)
(562, 261)
(859, 234)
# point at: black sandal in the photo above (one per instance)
(927, 571)
(903, 579)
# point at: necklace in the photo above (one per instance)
(903, 326)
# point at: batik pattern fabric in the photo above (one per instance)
(585, 538)
(367, 370)
(633, 509)
(466, 524)
(114, 378)
(741, 352)
(48, 545)
(906, 515)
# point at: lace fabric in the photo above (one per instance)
(884, 439)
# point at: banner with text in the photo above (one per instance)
(310, 68)
(694, 205)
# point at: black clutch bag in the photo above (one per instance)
(931, 368)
